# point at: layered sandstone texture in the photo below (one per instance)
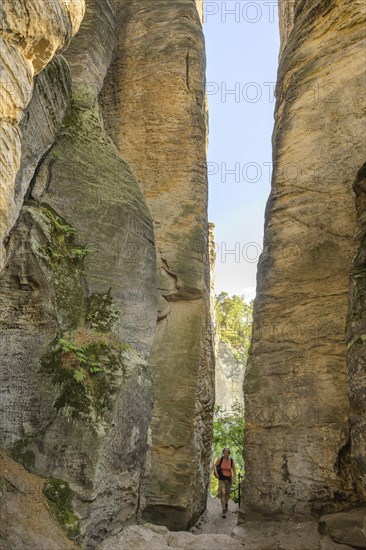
(35, 513)
(155, 112)
(305, 431)
(31, 33)
(78, 288)
(28, 519)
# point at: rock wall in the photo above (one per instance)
(78, 293)
(105, 231)
(31, 32)
(356, 342)
(155, 111)
(107, 341)
(27, 518)
(286, 13)
(304, 427)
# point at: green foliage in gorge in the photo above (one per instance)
(234, 319)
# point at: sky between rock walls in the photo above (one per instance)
(242, 43)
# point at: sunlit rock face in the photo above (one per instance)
(154, 110)
(31, 33)
(304, 436)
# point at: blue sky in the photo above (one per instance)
(242, 42)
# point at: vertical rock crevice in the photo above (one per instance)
(154, 110)
(356, 342)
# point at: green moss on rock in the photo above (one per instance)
(21, 453)
(86, 368)
(64, 259)
(58, 493)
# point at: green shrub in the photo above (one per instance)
(58, 493)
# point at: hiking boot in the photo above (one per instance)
(224, 513)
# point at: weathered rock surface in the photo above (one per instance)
(150, 537)
(98, 221)
(289, 535)
(90, 53)
(346, 527)
(154, 109)
(356, 344)
(286, 13)
(42, 121)
(297, 437)
(39, 29)
(25, 518)
(229, 377)
(80, 271)
(31, 32)
(33, 517)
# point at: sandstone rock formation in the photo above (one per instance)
(356, 342)
(305, 431)
(34, 513)
(287, 535)
(31, 32)
(78, 288)
(26, 519)
(106, 349)
(154, 110)
(346, 528)
(80, 271)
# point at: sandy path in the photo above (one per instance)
(213, 522)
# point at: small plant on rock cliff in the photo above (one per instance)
(64, 259)
(79, 359)
(83, 365)
(58, 493)
(62, 244)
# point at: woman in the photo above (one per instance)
(225, 472)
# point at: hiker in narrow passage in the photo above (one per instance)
(225, 472)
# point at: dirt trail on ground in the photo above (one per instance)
(212, 520)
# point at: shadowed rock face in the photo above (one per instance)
(356, 345)
(298, 416)
(154, 109)
(80, 270)
(80, 267)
